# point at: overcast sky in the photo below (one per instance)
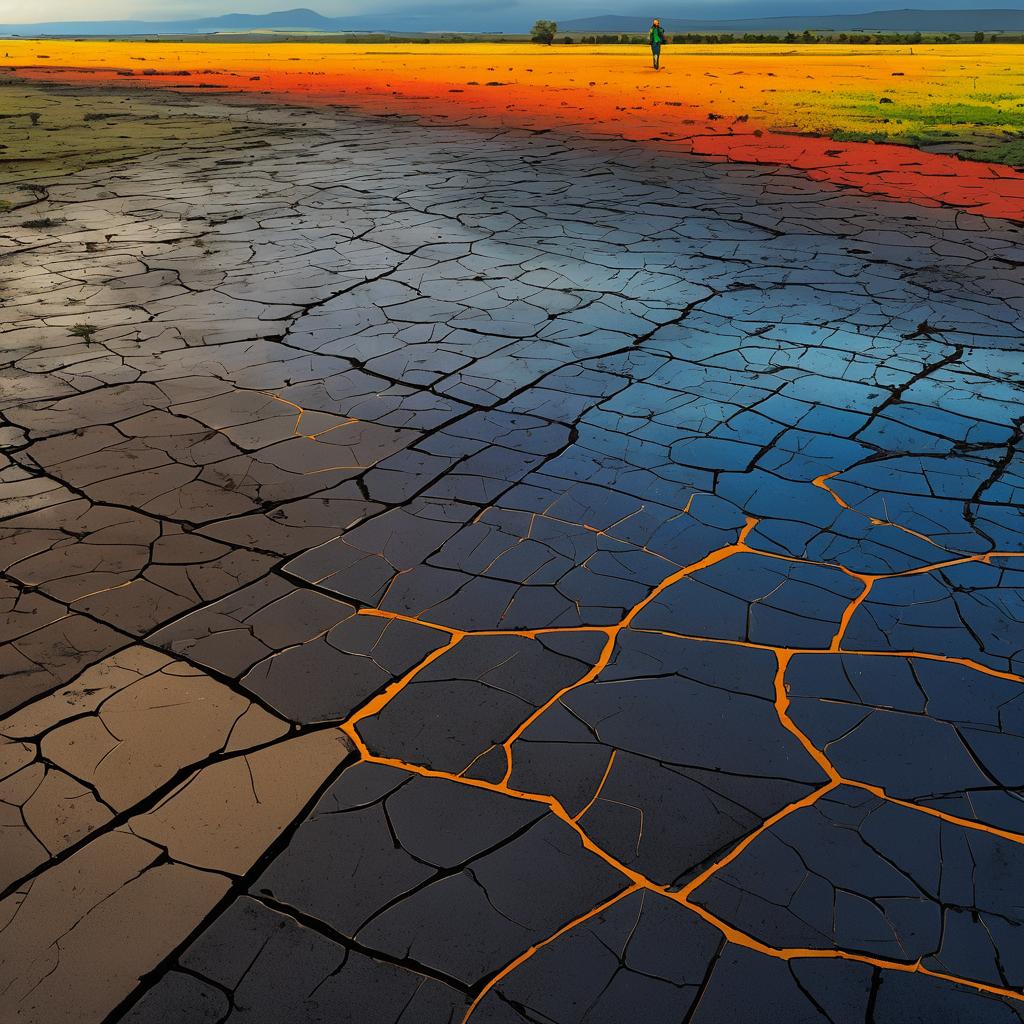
(481, 11)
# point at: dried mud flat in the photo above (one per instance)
(453, 574)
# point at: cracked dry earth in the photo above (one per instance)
(507, 578)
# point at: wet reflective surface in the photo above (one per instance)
(494, 577)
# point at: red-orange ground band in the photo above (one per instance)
(498, 86)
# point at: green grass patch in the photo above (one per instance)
(983, 126)
(55, 130)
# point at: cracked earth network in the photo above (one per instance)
(464, 574)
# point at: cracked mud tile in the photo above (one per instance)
(192, 466)
(456, 714)
(681, 537)
(125, 728)
(645, 951)
(297, 526)
(60, 963)
(803, 519)
(435, 872)
(527, 572)
(641, 954)
(43, 811)
(971, 611)
(46, 656)
(150, 882)
(21, 491)
(231, 635)
(363, 564)
(755, 599)
(524, 567)
(912, 999)
(328, 677)
(642, 757)
(857, 873)
(935, 733)
(226, 814)
(745, 986)
(125, 569)
(964, 497)
(507, 446)
(920, 494)
(255, 963)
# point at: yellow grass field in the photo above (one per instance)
(846, 114)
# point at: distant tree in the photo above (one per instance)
(567, 39)
(544, 31)
(979, 37)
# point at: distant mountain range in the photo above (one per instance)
(302, 20)
(908, 20)
(299, 20)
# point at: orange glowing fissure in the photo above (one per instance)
(634, 881)
(594, 91)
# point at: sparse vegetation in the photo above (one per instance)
(48, 129)
(84, 331)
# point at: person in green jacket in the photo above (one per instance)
(657, 38)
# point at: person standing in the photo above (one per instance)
(657, 38)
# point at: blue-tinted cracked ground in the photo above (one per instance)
(500, 578)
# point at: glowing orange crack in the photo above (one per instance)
(600, 786)
(299, 413)
(526, 954)
(612, 633)
(781, 702)
(105, 590)
(782, 654)
(741, 547)
(296, 432)
(638, 881)
(822, 482)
